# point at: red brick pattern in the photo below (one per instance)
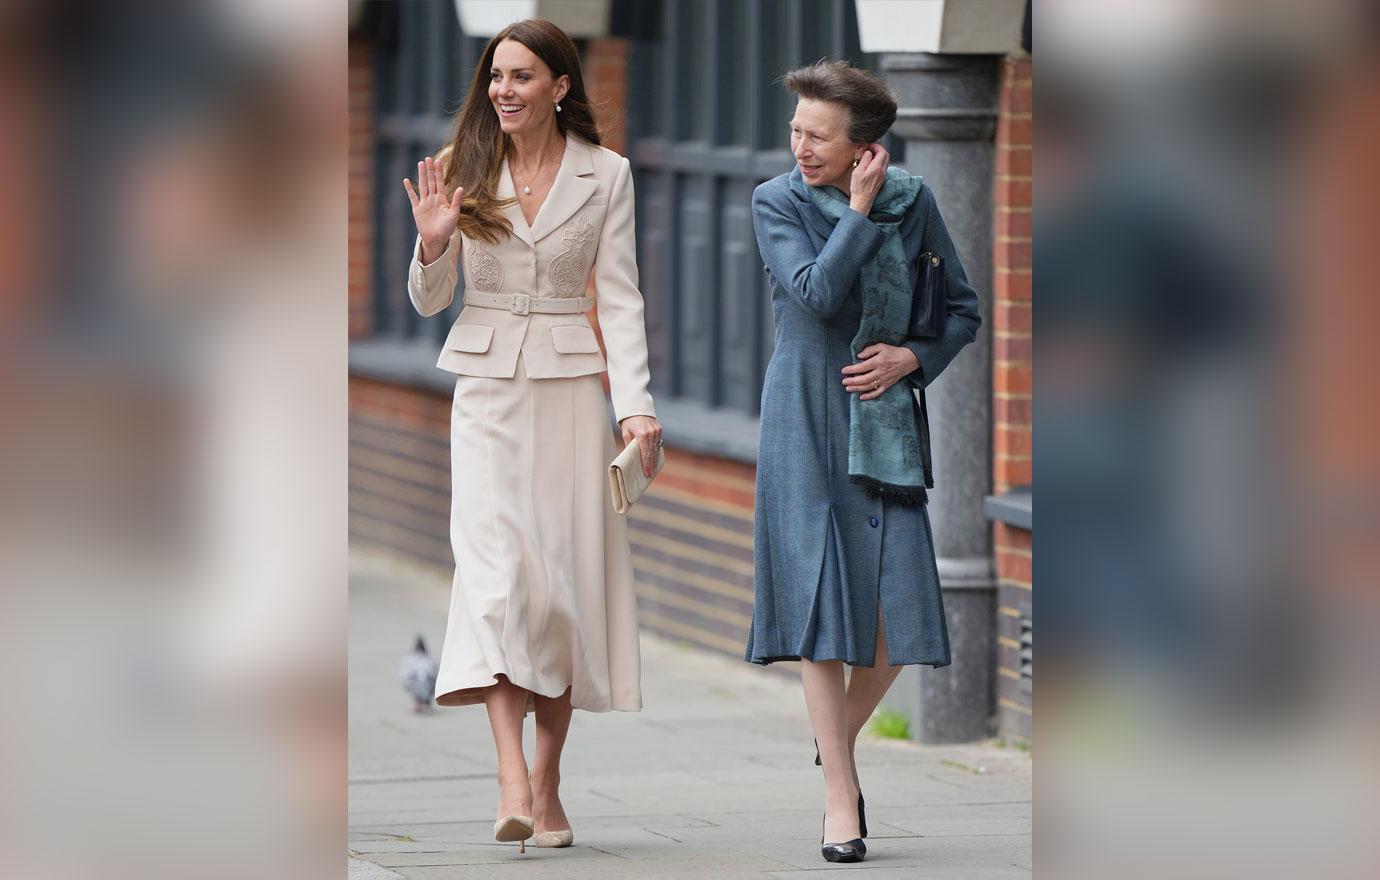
(1014, 548)
(1011, 257)
(715, 479)
(400, 470)
(361, 188)
(403, 405)
(1013, 383)
(605, 66)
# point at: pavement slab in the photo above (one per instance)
(714, 778)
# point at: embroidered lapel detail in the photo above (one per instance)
(573, 186)
(486, 270)
(514, 211)
(568, 273)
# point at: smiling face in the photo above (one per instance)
(523, 89)
(820, 143)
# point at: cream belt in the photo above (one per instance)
(522, 304)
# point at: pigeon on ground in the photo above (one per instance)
(417, 673)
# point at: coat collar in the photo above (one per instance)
(573, 186)
(800, 192)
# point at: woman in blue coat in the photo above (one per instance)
(845, 568)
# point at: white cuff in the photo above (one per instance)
(432, 273)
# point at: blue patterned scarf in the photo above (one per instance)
(883, 435)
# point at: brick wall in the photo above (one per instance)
(400, 470)
(691, 538)
(605, 66)
(1011, 344)
(1012, 387)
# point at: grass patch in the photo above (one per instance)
(890, 724)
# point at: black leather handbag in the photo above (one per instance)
(927, 310)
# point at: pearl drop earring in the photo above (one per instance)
(558, 107)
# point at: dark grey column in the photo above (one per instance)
(948, 118)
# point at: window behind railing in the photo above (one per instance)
(422, 74)
(707, 123)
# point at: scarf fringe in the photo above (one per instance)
(891, 491)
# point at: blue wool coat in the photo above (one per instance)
(826, 552)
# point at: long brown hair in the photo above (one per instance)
(475, 154)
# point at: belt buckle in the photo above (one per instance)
(522, 303)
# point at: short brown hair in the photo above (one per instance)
(871, 108)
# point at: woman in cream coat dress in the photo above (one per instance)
(543, 615)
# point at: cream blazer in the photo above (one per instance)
(586, 221)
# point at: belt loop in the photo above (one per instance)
(522, 304)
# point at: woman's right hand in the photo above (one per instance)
(434, 214)
(868, 177)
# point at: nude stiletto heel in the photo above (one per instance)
(510, 828)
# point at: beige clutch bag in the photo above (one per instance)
(626, 480)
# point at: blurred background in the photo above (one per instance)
(182, 181)
(173, 450)
(1207, 439)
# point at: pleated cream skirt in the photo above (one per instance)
(543, 588)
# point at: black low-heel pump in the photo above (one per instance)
(862, 805)
(852, 851)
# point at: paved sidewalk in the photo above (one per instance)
(713, 779)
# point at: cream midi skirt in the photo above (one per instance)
(543, 588)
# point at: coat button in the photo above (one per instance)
(872, 521)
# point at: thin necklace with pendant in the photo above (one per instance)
(527, 190)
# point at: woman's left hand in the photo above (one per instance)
(879, 367)
(647, 432)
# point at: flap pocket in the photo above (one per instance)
(574, 339)
(470, 337)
